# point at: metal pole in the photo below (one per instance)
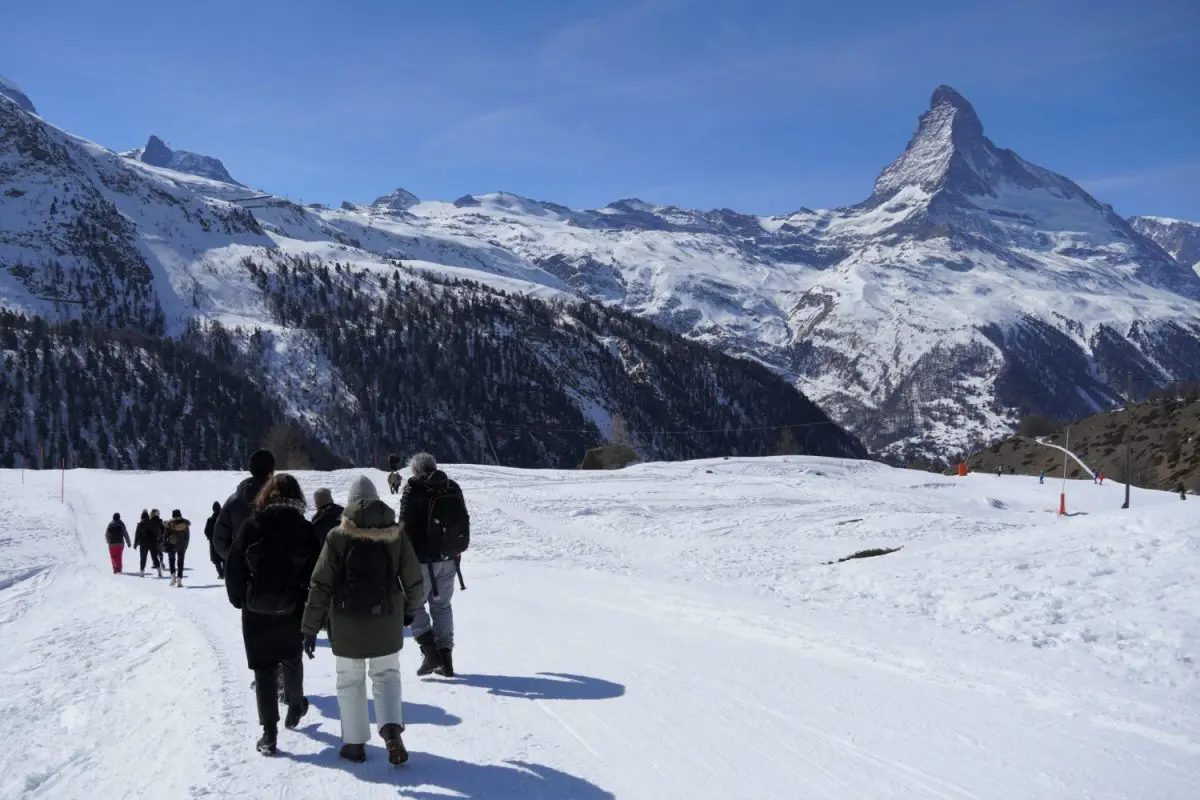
(1062, 498)
(1128, 435)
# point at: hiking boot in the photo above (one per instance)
(294, 714)
(179, 582)
(354, 752)
(266, 744)
(446, 670)
(429, 650)
(397, 753)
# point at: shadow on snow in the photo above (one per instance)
(431, 777)
(414, 713)
(543, 686)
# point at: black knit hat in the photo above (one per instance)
(176, 514)
(262, 463)
(116, 517)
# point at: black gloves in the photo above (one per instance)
(310, 645)
(408, 618)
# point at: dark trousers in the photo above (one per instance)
(143, 552)
(265, 692)
(218, 562)
(176, 560)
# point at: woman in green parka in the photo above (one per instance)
(368, 581)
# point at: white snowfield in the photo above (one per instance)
(665, 631)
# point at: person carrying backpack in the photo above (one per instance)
(145, 542)
(368, 581)
(117, 537)
(266, 578)
(240, 505)
(435, 519)
(209, 525)
(176, 536)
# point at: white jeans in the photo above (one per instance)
(352, 695)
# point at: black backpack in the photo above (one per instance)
(276, 576)
(449, 530)
(367, 579)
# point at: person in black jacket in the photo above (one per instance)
(238, 507)
(329, 513)
(209, 525)
(156, 532)
(116, 535)
(145, 541)
(433, 629)
(266, 576)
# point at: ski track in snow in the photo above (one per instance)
(665, 631)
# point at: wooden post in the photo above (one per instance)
(1062, 497)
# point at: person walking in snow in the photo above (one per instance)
(1182, 491)
(240, 505)
(328, 515)
(435, 520)
(145, 542)
(368, 583)
(117, 537)
(1042, 476)
(394, 481)
(209, 525)
(176, 537)
(156, 532)
(266, 577)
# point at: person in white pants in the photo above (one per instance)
(379, 585)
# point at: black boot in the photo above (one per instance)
(429, 650)
(354, 752)
(266, 745)
(446, 670)
(294, 714)
(397, 753)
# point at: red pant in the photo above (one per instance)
(116, 552)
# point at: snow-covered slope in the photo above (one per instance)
(1178, 237)
(665, 631)
(156, 153)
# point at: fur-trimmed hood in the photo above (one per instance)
(389, 533)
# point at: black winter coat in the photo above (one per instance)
(234, 513)
(326, 519)
(144, 536)
(156, 531)
(116, 533)
(271, 639)
(414, 512)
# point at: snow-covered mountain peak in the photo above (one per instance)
(156, 153)
(395, 202)
(13, 92)
(948, 150)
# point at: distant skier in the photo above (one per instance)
(209, 525)
(117, 537)
(266, 577)
(146, 542)
(999, 471)
(368, 582)
(328, 515)
(1042, 476)
(156, 532)
(176, 537)
(394, 481)
(240, 505)
(1101, 477)
(1182, 491)
(435, 520)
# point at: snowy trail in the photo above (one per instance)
(666, 631)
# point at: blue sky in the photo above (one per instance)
(761, 107)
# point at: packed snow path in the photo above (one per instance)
(667, 631)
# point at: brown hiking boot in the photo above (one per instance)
(354, 752)
(432, 660)
(397, 754)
